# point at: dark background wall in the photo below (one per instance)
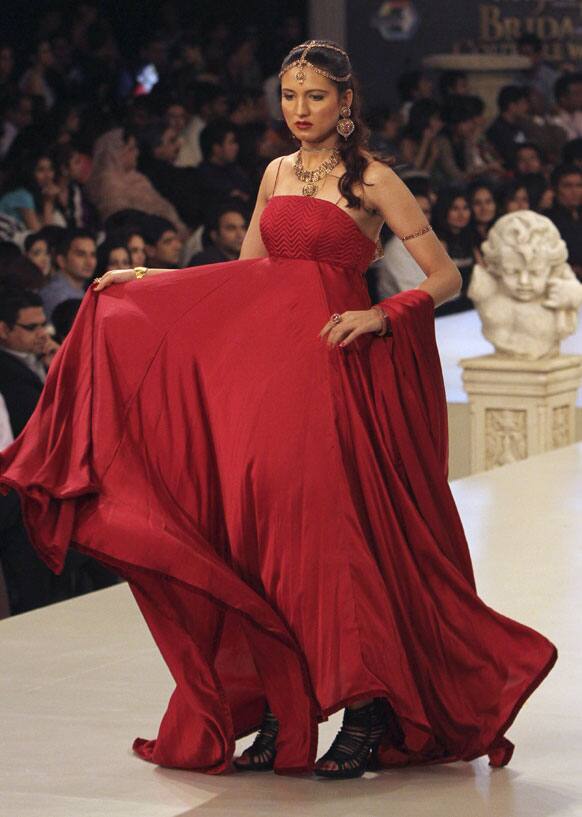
(435, 26)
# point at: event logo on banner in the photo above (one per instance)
(558, 23)
(396, 20)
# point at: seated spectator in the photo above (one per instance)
(412, 86)
(507, 131)
(204, 102)
(453, 83)
(76, 262)
(539, 191)
(529, 158)
(512, 196)
(418, 146)
(16, 115)
(23, 334)
(481, 197)
(458, 159)
(452, 224)
(541, 77)
(63, 317)
(175, 117)
(136, 246)
(32, 193)
(159, 147)
(572, 152)
(163, 244)
(566, 212)
(35, 81)
(113, 254)
(36, 250)
(241, 70)
(219, 177)
(568, 92)
(223, 236)
(7, 65)
(116, 184)
(384, 125)
(24, 274)
(71, 174)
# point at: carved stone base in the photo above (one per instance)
(519, 407)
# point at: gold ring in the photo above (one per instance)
(335, 318)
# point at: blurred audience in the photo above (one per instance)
(224, 235)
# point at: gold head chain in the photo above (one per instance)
(302, 63)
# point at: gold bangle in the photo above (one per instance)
(140, 272)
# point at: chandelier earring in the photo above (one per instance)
(345, 126)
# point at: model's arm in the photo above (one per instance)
(253, 246)
(389, 195)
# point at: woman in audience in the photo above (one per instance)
(116, 184)
(113, 253)
(419, 145)
(135, 243)
(452, 224)
(34, 81)
(481, 197)
(36, 249)
(32, 193)
(513, 196)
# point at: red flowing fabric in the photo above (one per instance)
(281, 512)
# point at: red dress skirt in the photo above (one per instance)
(281, 511)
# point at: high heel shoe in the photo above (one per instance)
(356, 742)
(261, 754)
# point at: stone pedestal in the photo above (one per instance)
(487, 73)
(519, 407)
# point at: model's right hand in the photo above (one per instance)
(114, 276)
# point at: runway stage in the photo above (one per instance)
(81, 679)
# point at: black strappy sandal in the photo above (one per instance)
(261, 754)
(356, 742)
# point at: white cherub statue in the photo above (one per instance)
(526, 294)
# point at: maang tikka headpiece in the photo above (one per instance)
(302, 63)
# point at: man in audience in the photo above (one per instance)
(224, 236)
(567, 211)
(205, 102)
(541, 77)
(23, 335)
(507, 131)
(568, 93)
(529, 158)
(163, 244)
(17, 115)
(159, 147)
(412, 86)
(219, 177)
(76, 260)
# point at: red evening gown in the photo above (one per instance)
(281, 511)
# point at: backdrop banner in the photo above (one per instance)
(396, 34)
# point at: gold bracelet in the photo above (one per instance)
(426, 229)
(140, 272)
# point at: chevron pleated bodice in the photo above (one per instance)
(314, 229)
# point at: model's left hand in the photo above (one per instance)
(352, 325)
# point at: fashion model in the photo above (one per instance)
(262, 454)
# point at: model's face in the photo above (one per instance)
(459, 214)
(522, 280)
(519, 201)
(39, 255)
(230, 234)
(81, 259)
(483, 206)
(312, 108)
(118, 258)
(44, 173)
(137, 251)
(28, 334)
(569, 191)
(528, 161)
(168, 248)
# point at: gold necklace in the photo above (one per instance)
(311, 178)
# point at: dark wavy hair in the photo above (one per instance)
(354, 150)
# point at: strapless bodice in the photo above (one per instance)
(315, 229)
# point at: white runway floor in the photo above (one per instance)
(81, 679)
